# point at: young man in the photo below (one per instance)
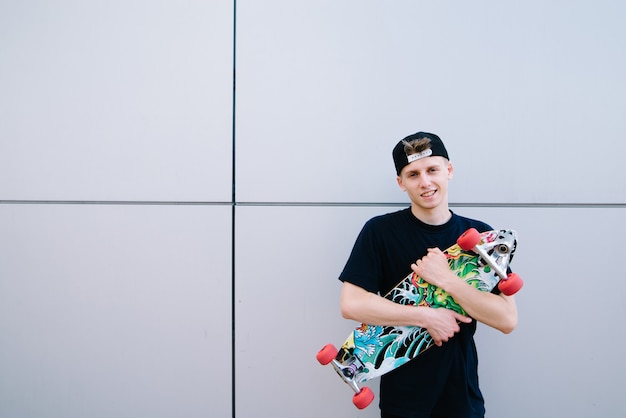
(443, 381)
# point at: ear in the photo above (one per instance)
(450, 170)
(399, 180)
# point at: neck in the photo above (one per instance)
(437, 216)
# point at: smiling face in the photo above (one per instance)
(426, 182)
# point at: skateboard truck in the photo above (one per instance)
(496, 255)
(347, 368)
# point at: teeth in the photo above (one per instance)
(428, 194)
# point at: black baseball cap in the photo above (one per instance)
(403, 157)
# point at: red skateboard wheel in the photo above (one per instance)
(364, 398)
(326, 354)
(511, 285)
(469, 239)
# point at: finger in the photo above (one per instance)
(464, 319)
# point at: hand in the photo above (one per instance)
(433, 267)
(444, 323)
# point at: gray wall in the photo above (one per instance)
(127, 263)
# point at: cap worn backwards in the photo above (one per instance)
(415, 147)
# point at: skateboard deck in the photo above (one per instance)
(372, 350)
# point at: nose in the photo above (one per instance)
(425, 181)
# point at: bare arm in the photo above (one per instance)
(497, 311)
(360, 305)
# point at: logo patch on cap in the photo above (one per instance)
(419, 155)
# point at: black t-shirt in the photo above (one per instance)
(443, 380)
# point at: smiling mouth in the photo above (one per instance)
(429, 193)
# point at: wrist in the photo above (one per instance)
(423, 316)
(449, 282)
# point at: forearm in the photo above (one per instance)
(366, 307)
(497, 311)
(363, 306)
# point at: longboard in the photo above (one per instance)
(480, 259)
